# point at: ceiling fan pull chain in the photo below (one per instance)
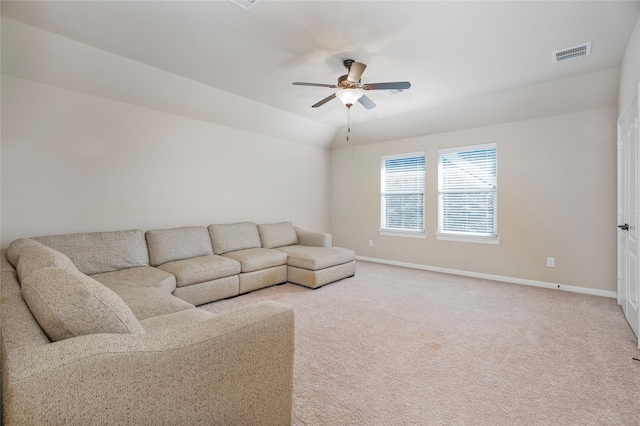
(348, 123)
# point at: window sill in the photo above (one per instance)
(406, 234)
(468, 239)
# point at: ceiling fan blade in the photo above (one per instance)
(324, 101)
(385, 86)
(297, 83)
(355, 72)
(366, 102)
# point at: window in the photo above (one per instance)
(403, 194)
(467, 193)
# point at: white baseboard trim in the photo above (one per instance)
(511, 280)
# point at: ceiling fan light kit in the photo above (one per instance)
(349, 96)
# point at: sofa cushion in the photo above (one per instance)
(234, 236)
(18, 326)
(316, 258)
(256, 259)
(98, 252)
(274, 235)
(168, 245)
(199, 294)
(4, 262)
(142, 276)
(15, 248)
(67, 303)
(148, 302)
(34, 257)
(200, 269)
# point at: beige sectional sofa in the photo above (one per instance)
(187, 254)
(102, 328)
(260, 267)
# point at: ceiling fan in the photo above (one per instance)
(351, 89)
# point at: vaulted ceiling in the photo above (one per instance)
(478, 61)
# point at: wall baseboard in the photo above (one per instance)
(511, 280)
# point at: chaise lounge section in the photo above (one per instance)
(311, 260)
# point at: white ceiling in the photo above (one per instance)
(449, 50)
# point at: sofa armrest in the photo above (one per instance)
(314, 239)
(235, 368)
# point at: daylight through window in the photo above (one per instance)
(403, 193)
(467, 191)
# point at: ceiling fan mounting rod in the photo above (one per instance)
(347, 63)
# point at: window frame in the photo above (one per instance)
(396, 232)
(461, 235)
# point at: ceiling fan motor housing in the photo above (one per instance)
(344, 83)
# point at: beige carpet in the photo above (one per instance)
(396, 346)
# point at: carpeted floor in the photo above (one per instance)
(397, 346)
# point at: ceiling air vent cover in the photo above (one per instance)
(571, 53)
(391, 92)
(245, 4)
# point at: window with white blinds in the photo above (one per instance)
(403, 193)
(467, 191)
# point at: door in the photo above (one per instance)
(628, 232)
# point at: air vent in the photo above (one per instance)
(245, 4)
(391, 92)
(571, 53)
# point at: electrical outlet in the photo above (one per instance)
(551, 262)
(370, 243)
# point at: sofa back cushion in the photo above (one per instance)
(168, 245)
(36, 256)
(19, 327)
(275, 235)
(234, 237)
(16, 247)
(4, 263)
(99, 252)
(67, 303)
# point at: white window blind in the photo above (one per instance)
(467, 191)
(403, 192)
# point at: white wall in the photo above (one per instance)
(556, 198)
(37, 55)
(630, 70)
(553, 97)
(73, 162)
